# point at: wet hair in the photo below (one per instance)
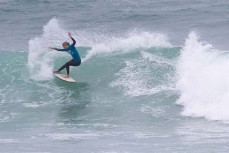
(65, 43)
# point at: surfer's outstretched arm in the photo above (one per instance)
(65, 44)
(70, 36)
(57, 49)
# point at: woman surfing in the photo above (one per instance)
(71, 49)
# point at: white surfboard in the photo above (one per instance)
(61, 76)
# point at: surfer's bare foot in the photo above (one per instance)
(66, 76)
(55, 71)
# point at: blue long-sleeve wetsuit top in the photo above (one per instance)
(72, 51)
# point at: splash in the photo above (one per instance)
(40, 58)
(133, 41)
(203, 80)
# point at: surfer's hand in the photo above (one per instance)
(69, 35)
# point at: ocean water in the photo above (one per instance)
(153, 78)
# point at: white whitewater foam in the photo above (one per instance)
(151, 110)
(40, 58)
(203, 80)
(131, 42)
(31, 105)
(136, 77)
(157, 59)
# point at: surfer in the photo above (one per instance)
(71, 49)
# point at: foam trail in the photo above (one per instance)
(131, 42)
(157, 59)
(136, 78)
(203, 80)
(40, 58)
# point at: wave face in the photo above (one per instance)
(203, 80)
(145, 61)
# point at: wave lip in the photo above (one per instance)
(132, 42)
(203, 80)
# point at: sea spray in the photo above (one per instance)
(131, 41)
(40, 58)
(203, 80)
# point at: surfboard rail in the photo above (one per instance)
(61, 76)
